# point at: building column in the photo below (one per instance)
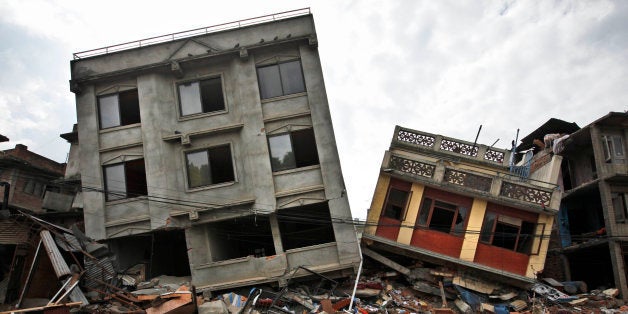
(474, 227)
(412, 211)
(542, 234)
(619, 268)
(379, 197)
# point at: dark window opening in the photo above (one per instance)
(210, 166)
(293, 150)
(505, 236)
(240, 237)
(441, 216)
(201, 96)
(509, 233)
(125, 180)
(119, 109)
(158, 253)
(395, 205)
(280, 79)
(305, 226)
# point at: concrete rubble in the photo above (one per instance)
(384, 286)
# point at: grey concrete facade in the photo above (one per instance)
(165, 138)
(594, 208)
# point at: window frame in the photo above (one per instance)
(118, 108)
(621, 214)
(610, 149)
(127, 194)
(281, 80)
(293, 150)
(199, 80)
(433, 205)
(34, 188)
(206, 149)
(517, 249)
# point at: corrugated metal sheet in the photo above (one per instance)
(12, 232)
(98, 270)
(58, 263)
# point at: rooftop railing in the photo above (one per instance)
(451, 145)
(190, 33)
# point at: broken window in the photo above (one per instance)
(293, 150)
(280, 79)
(240, 237)
(395, 203)
(201, 96)
(620, 205)
(442, 216)
(509, 233)
(125, 180)
(305, 226)
(613, 148)
(119, 109)
(209, 166)
(34, 187)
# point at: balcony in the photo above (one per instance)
(426, 158)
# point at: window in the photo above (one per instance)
(305, 226)
(125, 180)
(201, 96)
(33, 187)
(613, 147)
(293, 150)
(620, 205)
(508, 232)
(209, 166)
(395, 203)
(441, 216)
(280, 79)
(119, 109)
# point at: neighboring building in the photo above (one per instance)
(593, 218)
(28, 175)
(211, 153)
(30, 180)
(456, 204)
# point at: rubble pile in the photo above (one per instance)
(98, 285)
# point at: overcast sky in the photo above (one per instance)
(444, 67)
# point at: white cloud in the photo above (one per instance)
(439, 66)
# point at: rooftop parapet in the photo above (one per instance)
(190, 33)
(426, 164)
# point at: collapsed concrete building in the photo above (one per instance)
(464, 207)
(210, 153)
(591, 243)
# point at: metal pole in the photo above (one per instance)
(30, 275)
(357, 277)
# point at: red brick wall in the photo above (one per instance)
(19, 165)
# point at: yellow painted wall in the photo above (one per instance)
(474, 226)
(537, 262)
(407, 226)
(379, 197)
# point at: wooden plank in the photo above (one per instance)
(386, 261)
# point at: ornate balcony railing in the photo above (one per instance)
(450, 145)
(525, 194)
(415, 138)
(412, 166)
(467, 179)
(499, 184)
